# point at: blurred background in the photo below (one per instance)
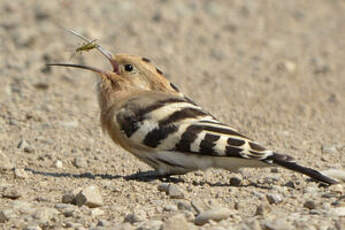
(272, 69)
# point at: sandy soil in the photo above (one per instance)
(272, 69)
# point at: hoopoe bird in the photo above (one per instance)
(148, 116)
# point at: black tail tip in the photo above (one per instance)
(288, 162)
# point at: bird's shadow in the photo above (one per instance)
(146, 176)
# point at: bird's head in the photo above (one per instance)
(130, 75)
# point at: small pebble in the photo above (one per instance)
(271, 179)
(89, 196)
(175, 192)
(61, 206)
(287, 65)
(326, 206)
(315, 212)
(339, 174)
(58, 164)
(274, 198)
(237, 205)
(23, 144)
(28, 149)
(170, 208)
(172, 190)
(42, 199)
(66, 209)
(290, 184)
(184, 205)
(320, 66)
(331, 149)
(41, 85)
(164, 187)
(20, 173)
(309, 204)
(311, 189)
(216, 214)
(235, 181)
(103, 223)
(338, 188)
(68, 198)
(329, 195)
(274, 170)
(11, 193)
(80, 162)
(134, 218)
(96, 212)
(68, 212)
(69, 124)
(77, 226)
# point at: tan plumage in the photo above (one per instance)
(146, 115)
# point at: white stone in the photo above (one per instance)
(97, 212)
(216, 214)
(58, 164)
(20, 173)
(331, 149)
(89, 196)
(274, 198)
(69, 124)
(288, 66)
(80, 162)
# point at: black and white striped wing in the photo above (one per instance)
(173, 133)
(178, 124)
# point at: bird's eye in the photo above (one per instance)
(129, 67)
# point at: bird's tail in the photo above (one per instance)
(286, 161)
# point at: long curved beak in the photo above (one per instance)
(101, 72)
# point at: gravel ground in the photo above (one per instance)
(272, 69)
